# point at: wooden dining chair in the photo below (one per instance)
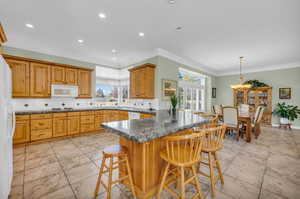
(231, 119)
(244, 108)
(182, 153)
(257, 120)
(212, 142)
(217, 109)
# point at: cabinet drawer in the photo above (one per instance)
(41, 116)
(56, 115)
(41, 124)
(87, 119)
(99, 118)
(22, 117)
(72, 114)
(99, 112)
(87, 127)
(41, 134)
(87, 113)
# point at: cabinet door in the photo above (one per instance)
(71, 76)
(22, 132)
(132, 84)
(142, 73)
(60, 127)
(84, 83)
(20, 77)
(58, 75)
(73, 125)
(149, 82)
(39, 80)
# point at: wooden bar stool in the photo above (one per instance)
(182, 153)
(111, 152)
(213, 118)
(212, 142)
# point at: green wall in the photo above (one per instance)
(286, 78)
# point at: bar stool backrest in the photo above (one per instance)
(184, 149)
(213, 118)
(213, 136)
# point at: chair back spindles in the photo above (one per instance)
(213, 136)
(213, 118)
(184, 148)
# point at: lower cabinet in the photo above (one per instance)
(73, 125)
(22, 131)
(146, 115)
(60, 127)
(87, 121)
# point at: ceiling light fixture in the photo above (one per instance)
(242, 85)
(80, 41)
(141, 34)
(102, 15)
(179, 28)
(171, 1)
(28, 25)
(113, 50)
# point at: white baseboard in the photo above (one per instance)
(293, 127)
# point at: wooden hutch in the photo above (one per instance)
(260, 96)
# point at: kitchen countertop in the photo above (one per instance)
(138, 110)
(163, 124)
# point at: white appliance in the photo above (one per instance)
(64, 91)
(7, 125)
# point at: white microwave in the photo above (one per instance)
(64, 91)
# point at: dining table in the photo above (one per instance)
(244, 117)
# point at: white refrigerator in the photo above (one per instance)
(7, 125)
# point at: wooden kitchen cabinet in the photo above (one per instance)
(60, 124)
(22, 130)
(84, 83)
(73, 125)
(71, 76)
(142, 81)
(20, 77)
(146, 115)
(40, 80)
(58, 75)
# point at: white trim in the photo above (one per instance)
(190, 63)
(292, 126)
(262, 68)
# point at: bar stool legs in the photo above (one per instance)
(122, 159)
(213, 162)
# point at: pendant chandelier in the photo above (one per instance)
(241, 85)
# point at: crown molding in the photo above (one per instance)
(3, 37)
(187, 62)
(261, 69)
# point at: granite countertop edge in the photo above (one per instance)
(29, 112)
(153, 135)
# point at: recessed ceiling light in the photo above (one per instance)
(102, 15)
(113, 50)
(141, 34)
(179, 28)
(80, 41)
(171, 1)
(28, 25)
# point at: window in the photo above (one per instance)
(107, 93)
(191, 90)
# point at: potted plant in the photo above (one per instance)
(174, 102)
(286, 113)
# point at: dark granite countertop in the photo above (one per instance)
(144, 130)
(138, 110)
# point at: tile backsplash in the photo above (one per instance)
(46, 104)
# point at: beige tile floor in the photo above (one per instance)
(267, 168)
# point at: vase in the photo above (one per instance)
(284, 120)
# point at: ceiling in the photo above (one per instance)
(214, 33)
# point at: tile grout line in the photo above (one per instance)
(25, 158)
(263, 177)
(69, 183)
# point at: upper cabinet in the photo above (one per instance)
(142, 81)
(33, 78)
(84, 83)
(58, 75)
(63, 75)
(71, 76)
(20, 77)
(40, 77)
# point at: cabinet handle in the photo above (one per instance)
(41, 124)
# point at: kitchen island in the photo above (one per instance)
(142, 138)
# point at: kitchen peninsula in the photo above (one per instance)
(142, 138)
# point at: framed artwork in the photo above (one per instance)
(169, 88)
(214, 93)
(285, 93)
